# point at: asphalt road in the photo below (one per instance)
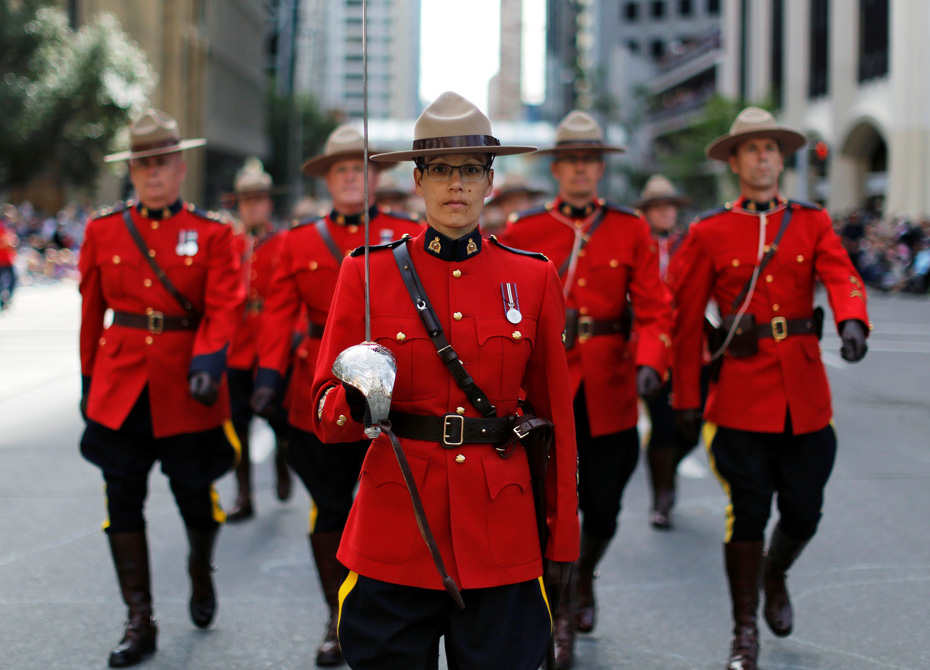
(861, 590)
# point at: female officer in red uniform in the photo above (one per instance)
(153, 380)
(503, 313)
(768, 425)
(312, 253)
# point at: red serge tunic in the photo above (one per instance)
(620, 260)
(306, 279)
(195, 250)
(479, 505)
(717, 259)
(259, 261)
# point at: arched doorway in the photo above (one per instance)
(865, 146)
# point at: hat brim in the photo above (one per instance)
(530, 192)
(274, 190)
(586, 146)
(722, 148)
(319, 166)
(397, 156)
(174, 148)
(677, 200)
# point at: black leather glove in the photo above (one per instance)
(853, 334)
(555, 572)
(358, 406)
(648, 382)
(262, 401)
(204, 388)
(688, 422)
(84, 407)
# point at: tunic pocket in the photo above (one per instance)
(512, 535)
(503, 350)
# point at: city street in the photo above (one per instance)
(861, 590)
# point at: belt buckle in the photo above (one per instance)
(779, 328)
(449, 430)
(156, 322)
(585, 328)
(521, 432)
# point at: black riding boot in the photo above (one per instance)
(243, 508)
(781, 554)
(744, 564)
(592, 550)
(131, 559)
(324, 547)
(200, 566)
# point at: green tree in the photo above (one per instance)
(64, 94)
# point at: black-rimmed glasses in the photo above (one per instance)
(443, 172)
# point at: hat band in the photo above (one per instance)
(155, 145)
(456, 142)
(593, 143)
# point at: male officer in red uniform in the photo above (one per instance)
(306, 278)
(659, 203)
(502, 313)
(259, 247)
(153, 380)
(8, 242)
(768, 423)
(606, 259)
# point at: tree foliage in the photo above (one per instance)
(65, 94)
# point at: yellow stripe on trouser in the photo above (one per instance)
(230, 432)
(106, 506)
(344, 591)
(542, 587)
(218, 514)
(314, 513)
(709, 432)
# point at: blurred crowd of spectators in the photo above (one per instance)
(892, 255)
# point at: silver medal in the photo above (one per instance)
(511, 303)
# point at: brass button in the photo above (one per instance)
(188, 261)
(353, 228)
(582, 282)
(103, 341)
(116, 260)
(614, 263)
(147, 283)
(459, 410)
(460, 458)
(154, 225)
(736, 262)
(582, 310)
(517, 334)
(303, 353)
(151, 253)
(457, 316)
(769, 278)
(314, 265)
(582, 252)
(149, 339)
(456, 273)
(149, 310)
(341, 421)
(800, 258)
(400, 337)
(775, 307)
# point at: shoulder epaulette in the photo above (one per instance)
(526, 213)
(115, 209)
(311, 220)
(711, 212)
(359, 251)
(207, 214)
(805, 205)
(406, 216)
(521, 252)
(621, 208)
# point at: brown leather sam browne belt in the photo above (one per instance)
(154, 322)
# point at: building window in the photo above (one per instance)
(819, 49)
(658, 9)
(631, 11)
(684, 7)
(633, 46)
(778, 50)
(873, 39)
(713, 7)
(657, 49)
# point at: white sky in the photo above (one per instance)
(450, 28)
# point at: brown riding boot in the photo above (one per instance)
(324, 547)
(744, 565)
(563, 627)
(243, 509)
(282, 472)
(202, 604)
(131, 559)
(592, 550)
(663, 464)
(781, 554)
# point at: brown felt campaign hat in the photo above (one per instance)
(755, 122)
(345, 142)
(659, 189)
(513, 184)
(154, 133)
(578, 130)
(452, 125)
